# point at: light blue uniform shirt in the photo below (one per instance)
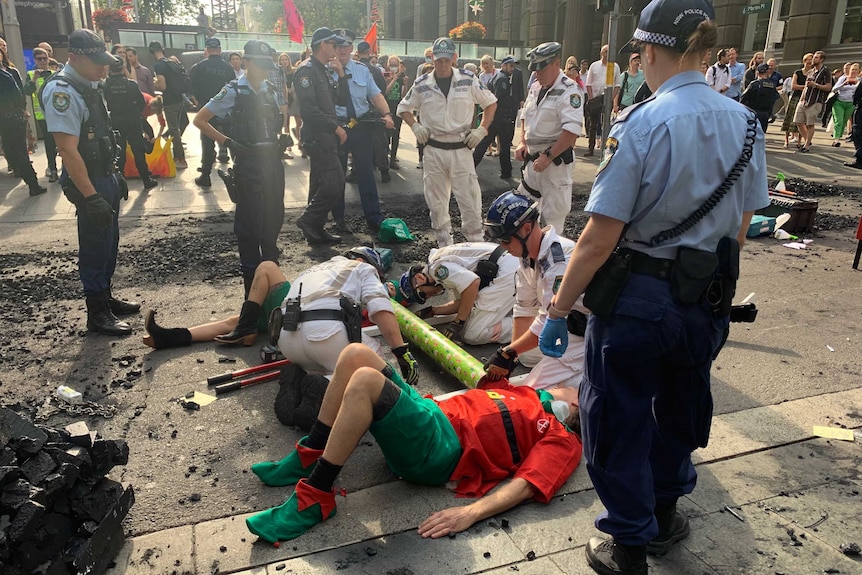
(221, 105)
(362, 88)
(737, 72)
(665, 157)
(65, 110)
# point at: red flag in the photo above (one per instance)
(371, 37)
(294, 21)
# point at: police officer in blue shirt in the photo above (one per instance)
(76, 115)
(357, 92)
(250, 118)
(660, 305)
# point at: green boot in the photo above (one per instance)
(297, 465)
(303, 510)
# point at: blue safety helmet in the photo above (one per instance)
(410, 293)
(508, 213)
(370, 255)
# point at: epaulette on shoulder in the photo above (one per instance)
(624, 114)
(567, 81)
(466, 72)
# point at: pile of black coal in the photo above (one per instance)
(59, 514)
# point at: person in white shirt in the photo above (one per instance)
(596, 86)
(719, 75)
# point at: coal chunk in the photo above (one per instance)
(15, 494)
(850, 549)
(106, 453)
(93, 555)
(23, 436)
(8, 474)
(28, 518)
(79, 434)
(38, 467)
(7, 457)
(96, 504)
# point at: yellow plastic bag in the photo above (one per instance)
(161, 161)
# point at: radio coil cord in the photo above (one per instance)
(718, 194)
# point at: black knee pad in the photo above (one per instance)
(312, 388)
(289, 396)
(388, 398)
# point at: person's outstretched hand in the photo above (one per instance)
(442, 523)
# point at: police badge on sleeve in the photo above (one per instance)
(61, 101)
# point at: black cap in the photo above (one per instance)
(544, 54)
(212, 43)
(323, 35)
(87, 43)
(260, 53)
(669, 23)
(116, 67)
(763, 67)
(363, 47)
(508, 60)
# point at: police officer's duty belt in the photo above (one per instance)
(321, 314)
(641, 263)
(446, 145)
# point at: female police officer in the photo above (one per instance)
(645, 399)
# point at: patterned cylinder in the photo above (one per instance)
(466, 368)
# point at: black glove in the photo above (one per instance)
(236, 147)
(425, 312)
(501, 364)
(99, 211)
(123, 185)
(407, 363)
(453, 330)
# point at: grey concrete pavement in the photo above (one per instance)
(775, 379)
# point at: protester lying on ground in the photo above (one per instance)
(462, 442)
(320, 331)
(481, 276)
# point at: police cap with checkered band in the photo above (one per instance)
(669, 23)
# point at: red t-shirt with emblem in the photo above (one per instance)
(548, 452)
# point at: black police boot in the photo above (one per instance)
(316, 236)
(100, 318)
(247, 280)
(246, 328)
(385, 177)
(120, 307)
(672, 527)
(607, 557)
(203, 181)
(165, 338)
(37, 190)
(150, 183)
(351, 177)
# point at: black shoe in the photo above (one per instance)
(856, 165)
(246, 328)
(150, 183)
(316, 236)
(351, 177)
(385, 177)
(608, 557)
(37, 190)
(289, 396)
(393, 164)
(162, 338)
(100, 318)
(672, 530)
(53, 176)
(120, 307)
(342, 228)
(203, 181)
(223, 159)
(506, 176)
(373, 227)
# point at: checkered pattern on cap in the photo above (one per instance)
(654, 38)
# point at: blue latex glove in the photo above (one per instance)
(555, 329)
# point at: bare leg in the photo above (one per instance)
(809, 135)
(208, 331)
(266, 276)
(354, 357)
(803, 134)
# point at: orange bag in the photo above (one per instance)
(161, 161)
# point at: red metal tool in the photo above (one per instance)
(240, 373)
(241, 383)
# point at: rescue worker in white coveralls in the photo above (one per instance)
(481, 276)
(552, 119)
(446, 99)
(513, 221)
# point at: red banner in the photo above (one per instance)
(294, 21)
(371, 37)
